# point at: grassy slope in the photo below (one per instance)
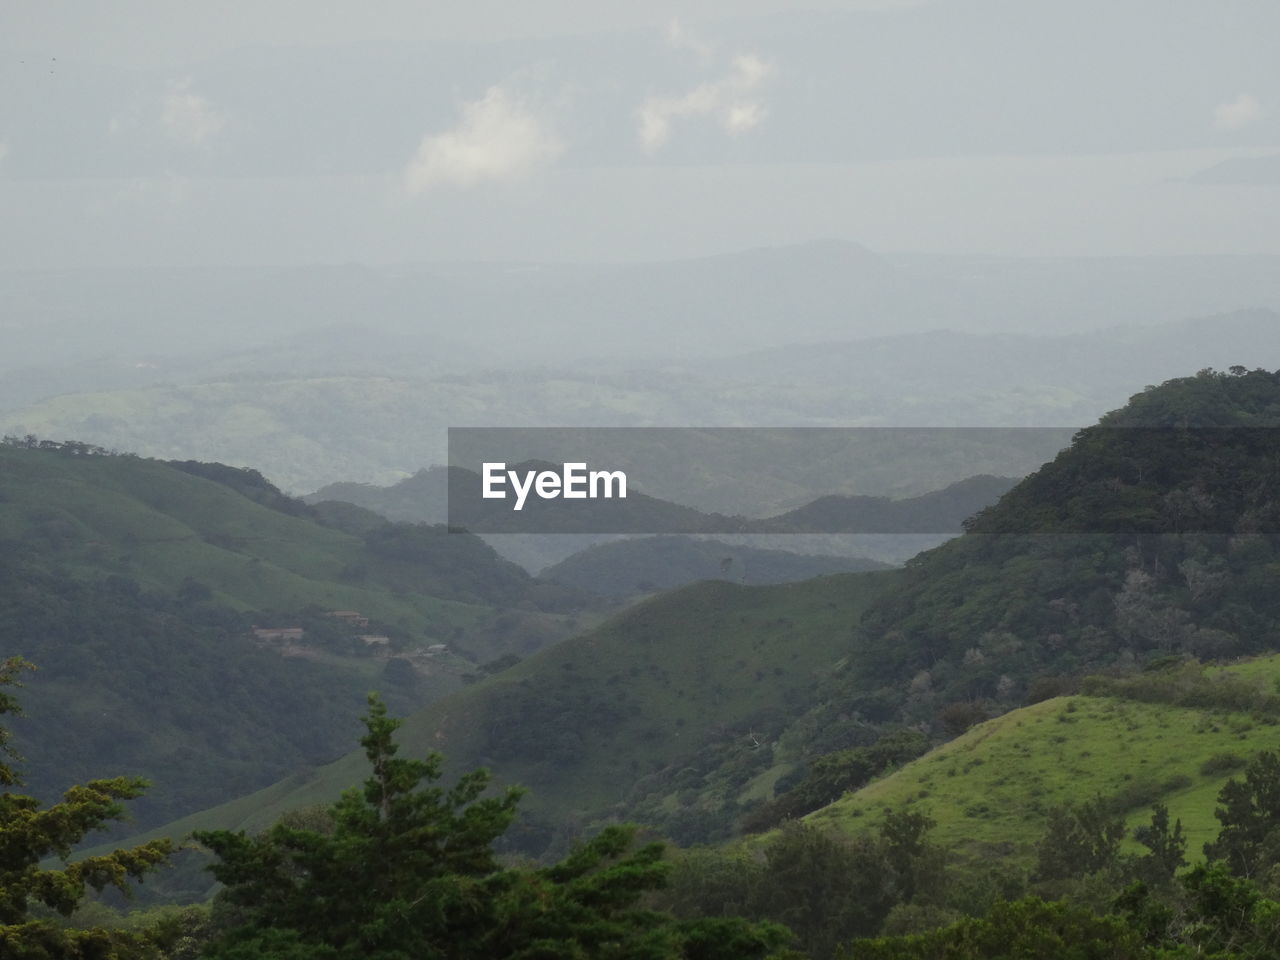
(157, 525)
(696, 662)
(989, 788)
(179, 692)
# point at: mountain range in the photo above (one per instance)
(719, 705)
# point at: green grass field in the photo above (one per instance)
(989, 789)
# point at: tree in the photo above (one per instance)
(915, 864)
(1249, 812)
(403, 870)
(1166, 848)
(1028, 929)
(828, 887)
(29, 835)
(1079, 840)
(1213, 914)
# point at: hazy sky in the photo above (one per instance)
(149, 132)
(175, 32)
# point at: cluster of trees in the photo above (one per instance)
(1188, 684)
(401, 869)
(248, 483)
(166, 675)
(404, 867)
(1152, 540)
(1119, 906)
(831, 775)
(75, 448)
(983, 618)
(892, 894)
(544, 722)
(168, 682)
(828, 888)
(29, 834)
(1152, 535)
(398, 868)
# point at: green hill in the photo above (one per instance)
(850, 527)
(626, 568)
(939, 511)
(1131, 545)
(135, 585)
(452, 493)
(669, 713)
(1172, 736)
(620, 715)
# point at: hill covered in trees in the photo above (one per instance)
(970, 629)
(136, 587)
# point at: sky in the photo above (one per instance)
(144, 133)
(175, 32)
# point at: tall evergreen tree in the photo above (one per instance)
(29, 835)
(1166, 846)
(408, 872)
(1249, 811)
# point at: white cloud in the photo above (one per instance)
(188, 117)
(1238, 113)
(679, 37)
(733, 101)
(499, 137)
(741, 117)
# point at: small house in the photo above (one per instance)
(277, 633)
(352, 617)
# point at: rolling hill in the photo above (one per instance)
(545, 534)
(316, 424)
(1173, 736)
(625, 568)
(694, 709)
(599, 722)
(135, 586)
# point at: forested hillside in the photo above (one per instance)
(677, 688)
(135, 586)
(1019, 711)
(970, 629)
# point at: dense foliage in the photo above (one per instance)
(704, 710)
(1154, 534)
(892, 894)
(30, 833)
(112, 656)
(1177, 561)
(136, 584)
(408, 870)
(829, 776)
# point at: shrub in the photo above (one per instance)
(1222, 763)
